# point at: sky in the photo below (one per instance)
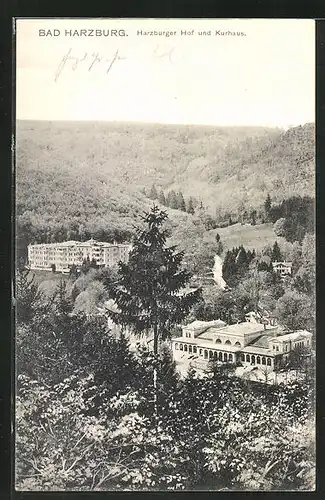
(263, 78)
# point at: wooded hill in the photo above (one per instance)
(75, 179)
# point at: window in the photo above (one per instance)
(225, 357)
(248, 358)
(181, 347)
(263, 361)
(218, 341)
(277, 347)
(194, 349)
(176, 346)
(230, 357)
(238, 344)
(258, 360)
(228, 342)
(185, 347)
(286, 348)
(242, 357)
(210, 354)
(189, 348)
(220, 356)
(268, 361)
(205, 354)
(273, 347)
(201, 352)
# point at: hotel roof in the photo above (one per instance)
(300, 334)
(90, 242)
(245, 328)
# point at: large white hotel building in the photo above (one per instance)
(61, 256)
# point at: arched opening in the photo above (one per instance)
(237, 344)
(205, 354)
(190, 348)
(218, 341)
(228, 342)
(215, 355)
(194, 349)
(210, 354)
(225, 357)
(230, 357)
(248, 358)
(253, 360)
(201, 352)
(220, 356)
(242, 357)
(258, 360)
(268, 361)
(181, 347)
(176, 346)
(185, 347)
(263, 361)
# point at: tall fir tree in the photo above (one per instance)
(229, 268)
(162, 199)
(267, 205)
(172, 200)
(190, 206)
(146, 293)
(153, 193)
(147, 289)
(276, 255)
(180, 202)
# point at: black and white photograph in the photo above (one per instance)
(165, 331)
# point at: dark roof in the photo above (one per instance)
(262, 341)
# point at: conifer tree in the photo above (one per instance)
(173, 200)
(153, 193)
(267, 205)
(190, 207)
(146, 291)
(180, 202)
(28, 296)
(162, 199)
(229, 267)
(276, 255)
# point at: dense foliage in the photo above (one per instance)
(85, 411)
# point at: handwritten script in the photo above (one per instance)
(88, 61)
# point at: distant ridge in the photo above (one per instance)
(94, 171)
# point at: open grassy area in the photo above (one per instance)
(249, 236)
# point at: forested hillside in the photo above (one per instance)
(76, 180)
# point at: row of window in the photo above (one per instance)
(259, 360)
(218, 341)
(219, 356)
(237, 344)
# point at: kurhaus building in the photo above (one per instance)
(61, 256)
(248, 343)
